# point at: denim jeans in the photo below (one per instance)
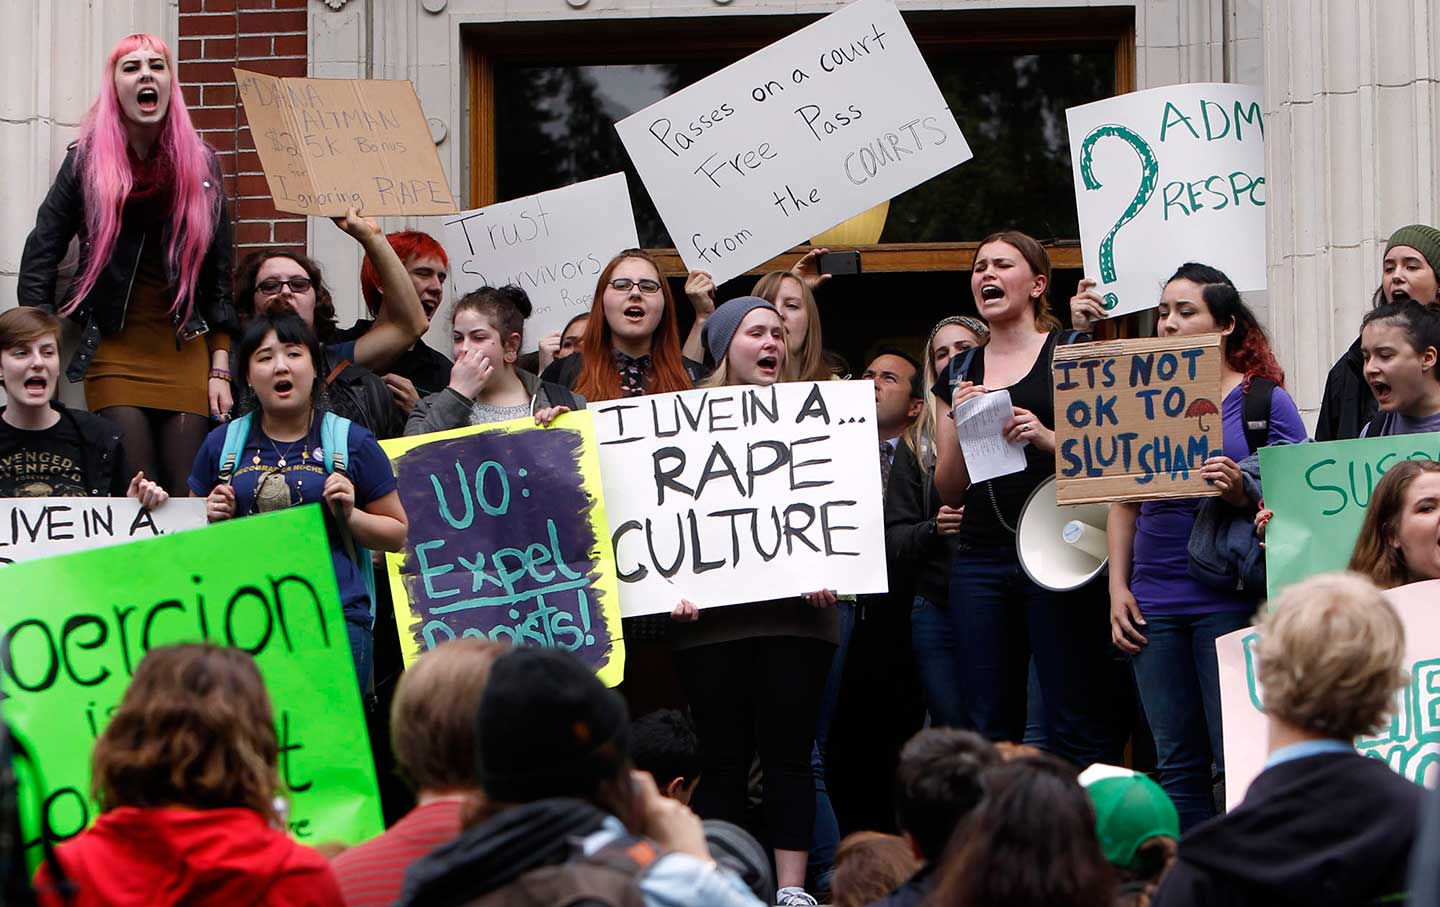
(1179, 682)
(938, 661)
(826, 836)
(999, 618)
(362, 650)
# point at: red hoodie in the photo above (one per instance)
(167, 857)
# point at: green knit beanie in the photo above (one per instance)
(1422, 238)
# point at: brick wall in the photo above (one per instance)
(266, 36)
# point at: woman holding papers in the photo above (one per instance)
(1399, 542)
(151, 294)
(1000, 616)
(754, 674)
(1165, 618)
(485, 383)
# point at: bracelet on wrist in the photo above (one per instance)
(220, 374)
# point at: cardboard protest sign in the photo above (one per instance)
(32, 528)
(1409, 744)
(328, 144)
(1136, 419)
(76, 626)
(552, 245)
(1319, 493)
(795, 138)
(1166, 176)
(741, 494)
(508, 541)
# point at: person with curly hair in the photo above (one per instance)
(187, 780)
(1321, 824)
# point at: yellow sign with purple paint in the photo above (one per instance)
(508, 541)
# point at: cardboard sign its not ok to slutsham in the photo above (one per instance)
(1136, 419)
(795, 138)
(329, 144)
(1166, 176)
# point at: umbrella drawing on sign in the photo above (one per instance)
(1199, 409)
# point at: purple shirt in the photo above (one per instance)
(1160, 577)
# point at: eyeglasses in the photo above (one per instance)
(272, 286)
(646, 285)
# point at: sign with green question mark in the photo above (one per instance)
(1168, 176)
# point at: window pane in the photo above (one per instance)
(554, 125)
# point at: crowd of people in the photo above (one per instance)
(959, 740)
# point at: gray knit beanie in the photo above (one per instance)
(724, 322)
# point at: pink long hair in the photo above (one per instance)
(108, 180)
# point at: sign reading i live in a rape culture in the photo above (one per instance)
(1318, 493)
(1409, 743)
(32, 528)
(1136, 419)
(329, 144)
(795, 138)
(550, 245)
(1166, 176)
(508, 541)
(740, 494)
(77, 625)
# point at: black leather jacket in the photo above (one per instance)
(62, 216)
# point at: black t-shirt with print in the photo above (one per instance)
(49, 463)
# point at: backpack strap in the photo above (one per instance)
(1255, 412)
(560, 395)
(237, 433)
(1072, 335)
(335, 441)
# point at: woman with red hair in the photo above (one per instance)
(1165, 618)
(152, 286)
(631, 345)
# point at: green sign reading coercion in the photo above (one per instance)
(1319, 493)
(76, 626)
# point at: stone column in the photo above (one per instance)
(1350, 146)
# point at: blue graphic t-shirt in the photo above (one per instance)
(262, 484)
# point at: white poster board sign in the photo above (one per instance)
(742, 494)
(1410, 743)
(552, 245)
(795, 138)
(32, 528)
(1166, 176)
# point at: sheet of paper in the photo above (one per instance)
(981, 426)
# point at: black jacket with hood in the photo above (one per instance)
(912, 545)
(62, 217)
(1321, 831)
(1348, 404)
(498, 851)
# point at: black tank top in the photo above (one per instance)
(992, 508)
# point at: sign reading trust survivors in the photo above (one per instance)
(1166, 176)
(730, 495)
(328, 144)
(795, 138)
(76, 626)
(508, 541)
(551, 245)
(1136, 419)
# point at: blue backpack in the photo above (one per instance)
(335, 443)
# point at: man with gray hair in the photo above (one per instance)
(1321, 825)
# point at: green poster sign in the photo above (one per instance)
(75, 627)
(1319, 493)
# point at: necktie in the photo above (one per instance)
(886, 454)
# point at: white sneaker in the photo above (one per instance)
(794, 896)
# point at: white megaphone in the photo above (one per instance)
(1061, 548)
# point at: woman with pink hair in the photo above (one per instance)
(152, 285)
